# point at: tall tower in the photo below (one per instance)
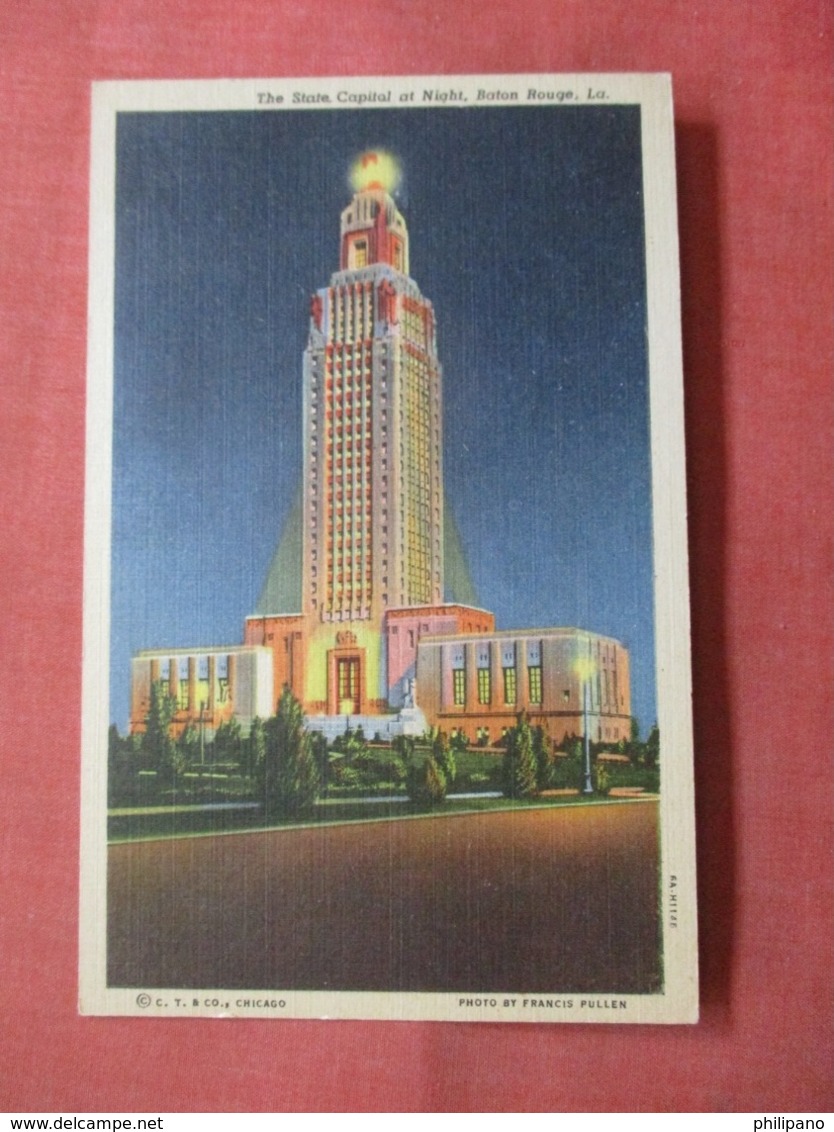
(372, 511)
(373, 491)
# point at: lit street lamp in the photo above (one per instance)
(584, 668)
(345, 708)
(203, 706)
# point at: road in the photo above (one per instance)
(558, 898)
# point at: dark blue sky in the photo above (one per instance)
(526, 230)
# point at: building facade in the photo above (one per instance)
(208, 686)
(373, 636)
(565, 680)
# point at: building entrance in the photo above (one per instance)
(347, 685)
(346, 677)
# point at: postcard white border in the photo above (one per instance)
(678, 1002)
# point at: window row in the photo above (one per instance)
(485, 689)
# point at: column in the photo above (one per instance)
(521, 678)
(472, 704)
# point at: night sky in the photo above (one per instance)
(526, 229)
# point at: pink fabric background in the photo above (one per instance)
(754, 116)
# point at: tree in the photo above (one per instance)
(189, 743)
(425, 782)
(567, 772)
(179, 762)
(444, 756)
(121, 768)
(321, 755)
(543, 757)
(185, 751)
(633, 745)
(652, 748)
(519, 767)
(291, 777)
(157, 744)
(254, 752)
(404, 745)
(228, 742)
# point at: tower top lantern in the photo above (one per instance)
(373, 230)
(375, 169)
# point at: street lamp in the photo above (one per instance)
(585, 669)
(345, 709)
(203, 706)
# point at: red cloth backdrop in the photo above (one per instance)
(753, 110)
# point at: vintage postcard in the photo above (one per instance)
(386, 700)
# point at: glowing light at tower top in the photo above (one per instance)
(375, 169)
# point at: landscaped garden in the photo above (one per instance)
(281, 773)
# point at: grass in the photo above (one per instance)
(151, 823)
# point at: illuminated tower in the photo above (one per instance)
(371, 520)
(373, 491)
(372, 420)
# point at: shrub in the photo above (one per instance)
(342, 775)
(403, 745)
(519, 765)
(351, 744)
(228, 743)
(566, 772)
(459, 742)
(544, 759)
(254, 750)
(602, 780)
(188, 749)
(426, 783)
(393, 769)
(372, 767)
(444, 756)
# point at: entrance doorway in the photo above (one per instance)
(346, 677)
(347, 685)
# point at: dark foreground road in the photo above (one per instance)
(542, 899)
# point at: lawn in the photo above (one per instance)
(158, 821)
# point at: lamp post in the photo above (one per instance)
(346, 707)
(203, 706)
(584, 668)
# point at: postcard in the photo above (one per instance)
(386, 689)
